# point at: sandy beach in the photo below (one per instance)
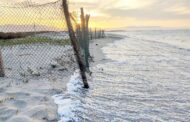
(32, 101)
(29, 102)
(26, 92)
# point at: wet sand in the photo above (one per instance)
(97, 45)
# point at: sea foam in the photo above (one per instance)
(68, 103)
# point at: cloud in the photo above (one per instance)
(139, 9)
(146, 12)
(158, 9)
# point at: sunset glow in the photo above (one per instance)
(124, 13)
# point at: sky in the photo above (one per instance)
(125, 13)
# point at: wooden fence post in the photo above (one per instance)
(83, 27)
(2, 72)
(95, 33)
(99, 33)
(91, 33)
(75, 44)
(87, 39)
(103, 32)
(79, 34)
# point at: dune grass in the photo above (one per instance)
(33, 40)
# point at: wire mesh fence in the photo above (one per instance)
(34, 41)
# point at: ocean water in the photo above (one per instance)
(147, 80)
(179, 38)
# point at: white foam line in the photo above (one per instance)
(67, 103)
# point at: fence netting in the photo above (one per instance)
(34, 40)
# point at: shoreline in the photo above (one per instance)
(33, 101)
(97, 45)
(67, 102)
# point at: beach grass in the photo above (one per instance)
(33, 40)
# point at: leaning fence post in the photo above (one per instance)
(2, 72)
(75, 44)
